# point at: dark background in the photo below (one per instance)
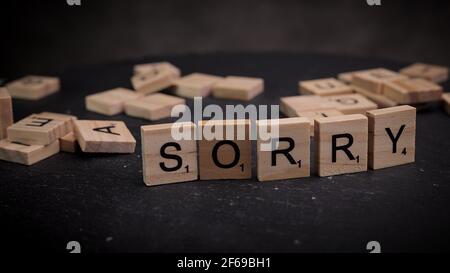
(49, 36)
(101, 201)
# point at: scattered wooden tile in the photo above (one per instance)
(290, 154)
(341, 144)
(154, 67)
(312, 115)
(238, 88)
(434, 73)
(6, 112)
(166, 157)
(374, 80)
(291, 106)
(26, 154)
(381, 100)
(352, 103)
(446, 99)
(154, 77)
(40, 129)
(412, 91)
(110, 102)
(324, 87)
(102, 136)
(392, 136)
(66, 118)
(195, 85)
(346, 77)
(153, 107)
(33, 87)
(228, 157)
(68, 143)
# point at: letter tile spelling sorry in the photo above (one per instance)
(341, 143)
(228, 156)
(166, 157)
(291, 159)
(392, 136)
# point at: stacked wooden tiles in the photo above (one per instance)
(40, 136)
(344, 144)
(146, 102)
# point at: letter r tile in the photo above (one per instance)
(341, 144)
(291, 159)
(168, 158)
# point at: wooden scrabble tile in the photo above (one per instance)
(346, 77)
(153, 67)
(26, 154)
(352, 103)
(68, 143)
(166, 157)
(341, 144)
(324, 87)
(290, 156)
(153, 107)
(154, 77)
(40, 129)
(291, 106)
(33, 87)
(238, 88)
(312, 115)
(104, 136)
(434, 73)
(6, 112)
(446, 99)
(392, 136)
(381, 100)
(110, 102)
(195, 85)
(229, 155)
(374, 80)
(66, 118)
(413, 91)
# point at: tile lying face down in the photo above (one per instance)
(153, 107)
(238, 88)
(101, 136)
(341, 144)
(434, 73)
(225, 150)
(110, 102)
(195, 85)
(167, 157)
(392, 136)
(33, 87)
(284, 156)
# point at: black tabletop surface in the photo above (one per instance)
(102, 202)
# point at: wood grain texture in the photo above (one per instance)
(33, 87)
(392, 136)
(68, 143)
(153, 77)
(381, 100)
(6, 112)
(352, 103)
(41, 129)
(324, 87)
(413, 91)
(291, 106)
(349, 135)
(195, 85)
(312, 115)
(167, 159)
(294, 140)
(238, 88)
(229, 157)
(110, 102)
(434, 73)
(101, 136)
(26, 154)
(153, 107)
(374, 80)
